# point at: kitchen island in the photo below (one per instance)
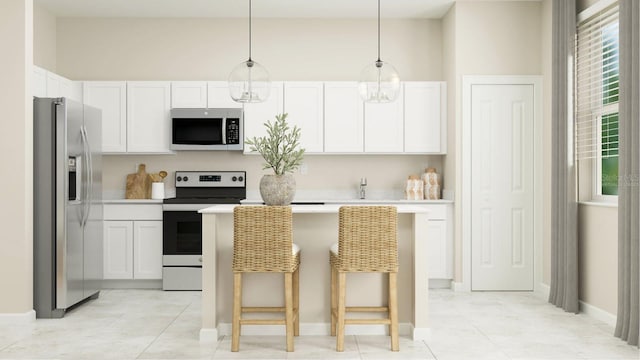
(315, 228)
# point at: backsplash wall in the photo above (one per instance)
(340, 173)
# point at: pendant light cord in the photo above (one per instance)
(250, 30)
(378, 30)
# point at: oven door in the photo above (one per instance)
(181, 233)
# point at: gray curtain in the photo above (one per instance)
(628, 170)
(564, 214)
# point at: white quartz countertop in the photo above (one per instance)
(315, 209)
(356, 201)
(132, 201)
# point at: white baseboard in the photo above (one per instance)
(597, 313)
(208, 336)
(18, 318)
(440, 283)
(131, 284)
(458, 286)
(421, 334)
(311, 329)
(543, 291)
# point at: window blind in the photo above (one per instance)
(596, 86)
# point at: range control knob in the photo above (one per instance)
(240, 178)
(179, 178)
(234, 179)
(185, 178)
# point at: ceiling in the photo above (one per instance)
(238, 8)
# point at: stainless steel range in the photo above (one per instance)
(182, 224)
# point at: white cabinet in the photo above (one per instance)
(384, 126)
(132, 247)
(440, 241)
(111, 98)
(304, 104)
(48, 84)
(343, 118)
(425, 120)
(218, 95)
(39, 82)
(148, 117)
(189, 94)
(256, 114)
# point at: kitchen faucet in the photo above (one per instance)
(363, 184)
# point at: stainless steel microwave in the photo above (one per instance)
(207, 129)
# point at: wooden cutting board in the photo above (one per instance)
(139, 184)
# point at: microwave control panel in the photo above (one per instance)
(233, 131)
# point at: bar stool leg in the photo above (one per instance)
(334, 301)
(288, 300)
(237, 309)
(342, 283)
(393, 311)
(296, 302)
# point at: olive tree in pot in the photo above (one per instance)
(281, 151)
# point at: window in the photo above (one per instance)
(597, 84)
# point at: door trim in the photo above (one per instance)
(467, 83)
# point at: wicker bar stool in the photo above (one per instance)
(262, 242)
(367, 242)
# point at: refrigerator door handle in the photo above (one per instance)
(90, 177)
(85, 181)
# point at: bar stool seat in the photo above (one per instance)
(367, 242)
(262, 243)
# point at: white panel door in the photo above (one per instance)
(148, 116)
(218, 96)
(256, 114)
(343, 118)
(39, 82)
(118, 250)
(423, 120)
(147, 249)
(189, 94)
(384, 127)
(502, 187)
(304, 104)
(111, 98)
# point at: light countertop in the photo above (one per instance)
(132, 201)
(315, 209)
(358, 201)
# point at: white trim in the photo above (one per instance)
(421, 334)
(440, 283)
(18, 318)
(467, 82)
(208, 336)
(543, 290)
(458, 286)
(597, 313)
(314, 329)
(599, 204)
(592, 10)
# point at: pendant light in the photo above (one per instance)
(249, 81)
(379, 81)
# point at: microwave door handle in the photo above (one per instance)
(224, 131)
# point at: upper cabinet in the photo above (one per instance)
(219, 97)
(189, 94)
(111, 97)
(384, 126)
(304, 104)
(48, 84)
(256, 114)
(148, 116)
(135, 115)
(425, 117)
(343, 118)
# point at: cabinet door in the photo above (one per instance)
(423, 120)
(118, 250)
(256, 114)
(147, 249)
(219, 97)
(53, 85)
(148, 117)
(39, 82)
(383, 127)
(111, 98)
(304, 103)
(343, 118)
(189, 94)
(437, 249)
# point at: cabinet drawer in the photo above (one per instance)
(437, 211)
(133, 212)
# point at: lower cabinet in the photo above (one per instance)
(133, 250)
(440, 241)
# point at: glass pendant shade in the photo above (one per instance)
(249, 83)
(379, 83)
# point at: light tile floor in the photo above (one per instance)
(152, 324)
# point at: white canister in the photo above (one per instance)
(414, 188)
(157, 190)
(431, 181)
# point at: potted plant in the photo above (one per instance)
(281, 150)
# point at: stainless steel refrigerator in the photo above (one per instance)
(68, 216)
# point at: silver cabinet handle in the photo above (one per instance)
(200, 259)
